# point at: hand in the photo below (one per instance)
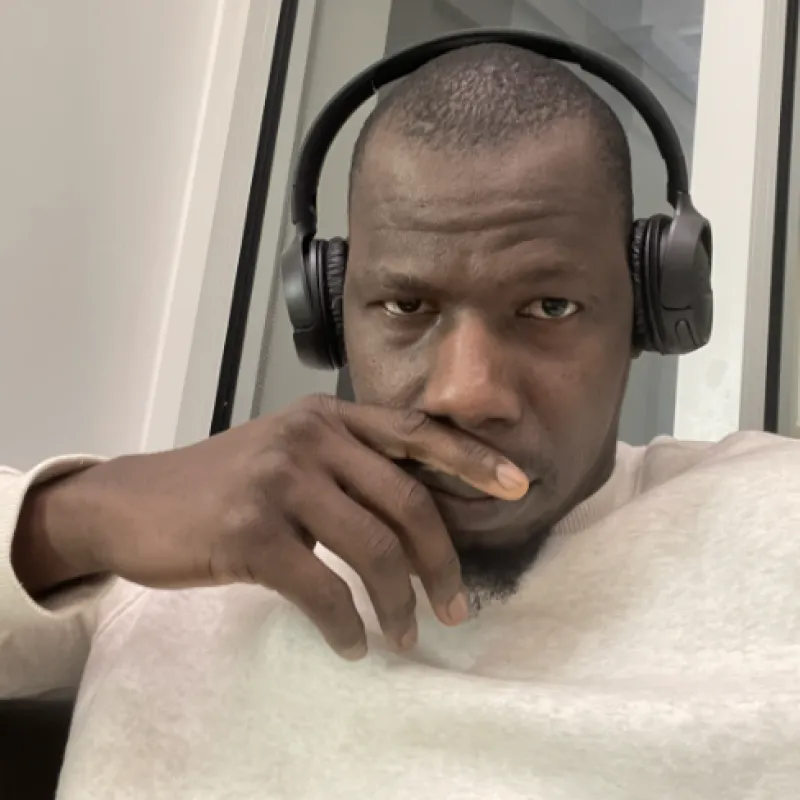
(249, 505)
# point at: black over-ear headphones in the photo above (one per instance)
(670, 257)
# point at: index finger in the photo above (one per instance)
(414, 435)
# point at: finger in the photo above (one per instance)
(289, 568)
(408, 509)
(370, 547)
(415, 435)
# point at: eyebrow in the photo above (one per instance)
(402, 281)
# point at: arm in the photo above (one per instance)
(247, 506)
(46, 612)
(47, 550)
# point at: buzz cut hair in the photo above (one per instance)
(489, 95)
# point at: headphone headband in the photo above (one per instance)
(358, 90)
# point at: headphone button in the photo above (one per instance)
(684, 336)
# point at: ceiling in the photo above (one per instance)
(664, 33)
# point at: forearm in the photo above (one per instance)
(49, 546)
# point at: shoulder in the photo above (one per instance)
(739, 497)
(754, 458)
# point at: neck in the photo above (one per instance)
(493, 575)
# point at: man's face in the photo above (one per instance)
(492, 292)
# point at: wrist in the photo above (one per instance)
(51, 544)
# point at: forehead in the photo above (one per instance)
(554, 176)
(487, 221)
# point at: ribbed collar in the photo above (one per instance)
(616, 491)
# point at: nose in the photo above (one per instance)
(471, 380)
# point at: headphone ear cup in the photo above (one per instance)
(642, 339)
(334, 276)
(303, 279)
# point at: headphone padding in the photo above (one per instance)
(641, 328)
(335, 270)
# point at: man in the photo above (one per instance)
(536, 612)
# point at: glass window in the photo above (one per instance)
(658, 41)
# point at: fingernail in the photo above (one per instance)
(458, 610)
(355, 653)
(511, 478)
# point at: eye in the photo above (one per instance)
(406, 308)
(550, 308)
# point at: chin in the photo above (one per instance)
(497, 541)
(493, 568)
(495, 559)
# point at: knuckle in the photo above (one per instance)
(235, 558)
(277, 464)
(413, 499)
(301, 426)
(241, 519)
(397, 615)
(441, 575)
(412, 423)
(410, 606)
(315, 400)
(449, 569)
(384, 551)
(331, 599)
(277, 474)
(473, 452)
(319, 404)
(405, 609)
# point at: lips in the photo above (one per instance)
(477, 515)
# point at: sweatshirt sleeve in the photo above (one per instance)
(43, 646)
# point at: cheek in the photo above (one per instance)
(577, 419)
(379, 376)
(578, 400)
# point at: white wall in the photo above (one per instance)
(115, 120)
(721, 387)
(197, 393)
